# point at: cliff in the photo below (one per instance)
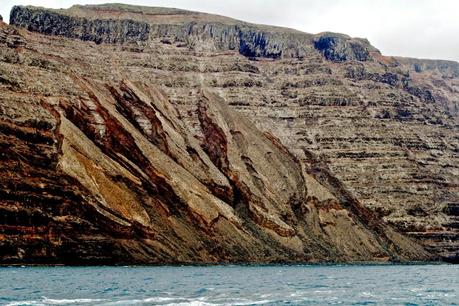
(198, 31)
(152, 135)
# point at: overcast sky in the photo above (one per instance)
(414, 28)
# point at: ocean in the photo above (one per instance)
(232, 285)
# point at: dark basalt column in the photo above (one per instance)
(99, 31)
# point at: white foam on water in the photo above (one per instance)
(25, 303)
(259, 302)
(170, 301)
(123, 302)
(192, 303)
(324, 291)
(161, 299)
(147, 300)
(266, 295)
(417, 289)
(48, 301)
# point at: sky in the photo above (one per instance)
(412, 28)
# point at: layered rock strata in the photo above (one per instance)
(174, 136)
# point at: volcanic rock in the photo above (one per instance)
(153, 135)
(339, 48)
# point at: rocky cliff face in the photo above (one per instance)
(164, 135)
(196, 33)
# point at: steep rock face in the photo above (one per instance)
(107, 31)
(182, 148)
(198, 33)
(339, 48)
(101, 171)
(447, 69)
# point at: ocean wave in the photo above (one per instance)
(46, 302)
(192, 303)
(70, 301)
(25, 303)
(225, 286)
(255, 302)
(202, 303)
(171, 301)
(150, 300)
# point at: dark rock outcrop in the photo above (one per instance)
(249, 40)
(52, 23)
(340, 48)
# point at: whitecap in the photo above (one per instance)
(147, 300)
(416, 289)
(25, 303)
(192, 303)
(48, 301)
(324, 291)
(123, 302)
(259, 302)
(161, 299)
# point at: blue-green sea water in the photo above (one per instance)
(232, 285)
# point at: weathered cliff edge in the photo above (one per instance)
(151, 141)
(195, 30)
